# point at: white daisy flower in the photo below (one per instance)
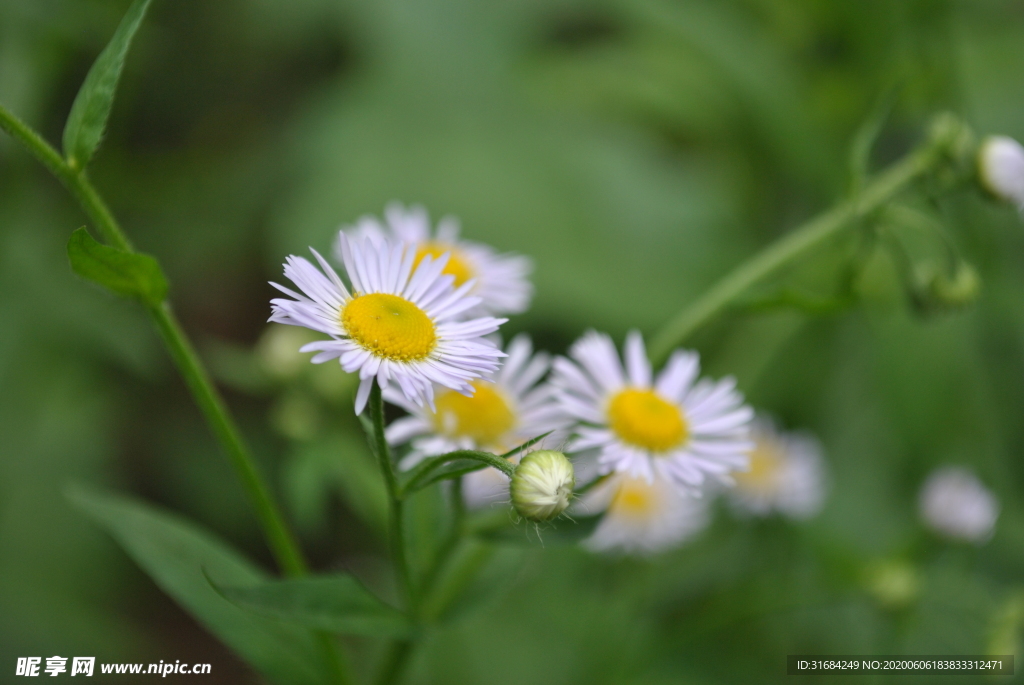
(507, 409)
(786, 474)
(501, 280)
(673, 427)
(642, 516)
(954, 503)
(398, 323)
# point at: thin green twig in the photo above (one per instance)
(795, 245)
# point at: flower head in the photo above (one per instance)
(674, 426)
(643, 516)
(506, 409)
(542, 485)
(786, 474)
(1001, 169)
(955, 504)
(500, 280)
(399, 322)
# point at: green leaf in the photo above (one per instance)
(336, 603)
(126, 273)
(175, 553)
(91, 109)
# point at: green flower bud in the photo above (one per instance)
(542, 485)
(895, 584)
(935, 291)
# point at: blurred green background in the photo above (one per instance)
(636, 149)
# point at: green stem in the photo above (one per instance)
(419, 477)
(793, 246)
(396, 523)
(394, 662)
(399, 651)
(279, 537)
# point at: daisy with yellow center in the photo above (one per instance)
(499, 280)
(786, 474)
(642, 516)
(506, 409)
(400, 321)
(674, 427)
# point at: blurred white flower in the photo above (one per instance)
(675, 427)
(786, 474)
(507, 409)
(955, 504)
(499, 280)
(542, 485)
(642, 516)
(1001, 169)
(399, 322)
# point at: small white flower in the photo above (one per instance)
(955, 504)
(786, 474)
(501, 280)
(507, 409)
(675, 426)
(542, 485)
(1001, 169)
(643, 516)
(398, 323)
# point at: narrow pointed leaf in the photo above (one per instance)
(91, 109)
(126, 273)
(336, 603)
(175, 553)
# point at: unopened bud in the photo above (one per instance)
(1001, 169)
(937, 292)
(542, 485)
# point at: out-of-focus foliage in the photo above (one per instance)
(636, 149)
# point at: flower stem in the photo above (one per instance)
(399, 651)
(795, 245)
(280, 539)
(395, 524)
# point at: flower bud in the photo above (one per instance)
(936, 292)
(1001, 169)
(542, 485)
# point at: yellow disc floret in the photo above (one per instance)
(635, 497)
(486, 417)
(390, 327)
(456, 266)
(645, 419)
(765, 461)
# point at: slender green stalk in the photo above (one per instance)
(395, 524)
(395, 660)
(420, 476)
(793, 246)
(280, 539)
(398, 653)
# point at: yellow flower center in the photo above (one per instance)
(643, 418)
(456, 266)
(635, 497)
(485, 417)
(765, 461)
(390, 327)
